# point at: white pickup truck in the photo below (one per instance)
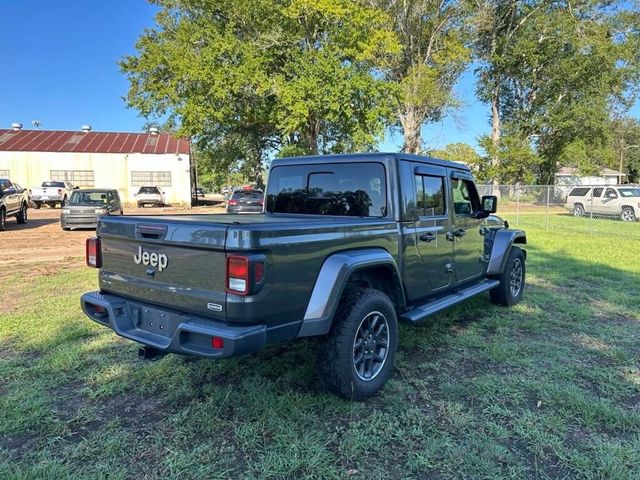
(51, 193)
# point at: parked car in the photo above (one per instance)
(245, 201)
(86, 206)
(14, 202)
(51, 193)
(198, 193)
(150, 195)
(347, 246)
(620, 201)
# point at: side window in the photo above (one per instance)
(465, 197)
(597, 192)
(430, 200)
(110, 197)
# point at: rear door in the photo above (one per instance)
(465, 233)
(432, 225)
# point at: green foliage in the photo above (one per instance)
(557, 71)
(462, 152)
(518, 160)
(434, 53)
(246, 79)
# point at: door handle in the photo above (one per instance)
(428, 237)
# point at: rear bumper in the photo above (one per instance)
(169, 330)
(154, 202)
(46, 198)
(244, 209)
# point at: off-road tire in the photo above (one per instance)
(336, 355)
(627, 214)
(578, 210)
(3, 220)
(22, 215)
(506, 294)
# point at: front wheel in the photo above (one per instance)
(22, 215)
(356, 359)
(578, 210)
(3, 220)
(511, 287)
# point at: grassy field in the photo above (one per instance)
(547, 389)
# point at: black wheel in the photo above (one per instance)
(578, 210)
(37, 205)
(628, 215)
(511, 287)
(22, 215)
(3, 220)
(356, 359)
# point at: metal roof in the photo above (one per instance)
(90, 142)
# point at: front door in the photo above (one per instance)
(465, 233)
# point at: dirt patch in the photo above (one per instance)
(42, 241)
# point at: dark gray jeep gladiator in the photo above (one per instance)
(347, 246)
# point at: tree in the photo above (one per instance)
(465, 153)
(248, 78)
(433, 39)
(626, 134)
(553, 72)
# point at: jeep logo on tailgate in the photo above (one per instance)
(154, 259)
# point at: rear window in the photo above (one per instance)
(88, 198)
(148, 190)
(247, 195)
(579, 191)
(355, 190)
(629, 192)
(53, 184)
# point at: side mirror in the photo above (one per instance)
(489, 204)
(611, 195)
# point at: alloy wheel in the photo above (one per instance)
(515, 280)
(371, 346)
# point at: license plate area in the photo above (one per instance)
(154, 321)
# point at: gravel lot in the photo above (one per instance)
(42, 241)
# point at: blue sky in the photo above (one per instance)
(59, 66)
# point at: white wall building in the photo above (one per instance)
(125, 161)
(569, 176)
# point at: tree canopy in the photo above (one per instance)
(247, 80)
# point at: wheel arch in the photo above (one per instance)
(503, 241)
(371, 268)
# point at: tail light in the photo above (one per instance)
(238, 275)
(94, 252)
(233, 202)
(244, 274)
(59, 191)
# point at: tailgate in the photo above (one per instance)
(179, 265)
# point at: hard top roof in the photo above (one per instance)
(367, 157)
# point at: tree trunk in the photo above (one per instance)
(313, 133)
(495, 137)
(411, 126)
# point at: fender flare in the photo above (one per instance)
(332, 280)
(502, 243)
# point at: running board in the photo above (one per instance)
(423, 311)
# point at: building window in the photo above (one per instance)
(82, 178)
(4, 174)
(161, 179)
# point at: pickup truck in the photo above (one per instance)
(14, 202)
(51, 193)
(347, 245)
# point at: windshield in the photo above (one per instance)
(88, 198)
(53, 184)
(148, 190)
(629, 192)
(355, 190)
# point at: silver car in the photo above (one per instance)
(621, 201)
(86, 206)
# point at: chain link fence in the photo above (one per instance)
(584, 209)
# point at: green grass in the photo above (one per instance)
(547, 389)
